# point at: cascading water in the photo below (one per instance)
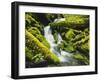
(65, 57)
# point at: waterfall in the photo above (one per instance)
(65, 57)
(49, 37)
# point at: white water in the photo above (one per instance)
(58, 20)
(62, 55)
(65, 57)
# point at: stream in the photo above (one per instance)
(65, 57)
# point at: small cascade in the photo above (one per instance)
(62, 55)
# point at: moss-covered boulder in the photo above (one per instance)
(77, 21)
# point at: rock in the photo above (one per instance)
(77, 21)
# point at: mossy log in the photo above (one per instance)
(72, 21)
(49, 56)
(34, 31)
(77, 21)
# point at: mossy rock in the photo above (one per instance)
(78, 39)
(58, 25)
(77, 21)
(69, 35)
(68, 47)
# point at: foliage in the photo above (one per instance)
(31, 22)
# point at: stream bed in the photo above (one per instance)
(65, 57)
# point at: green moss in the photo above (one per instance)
(38, 58)
(29, 20)
(48, 55)
(78, 39)
(32, 22)
(72, 21)
(83, 60)
(28, 53)
(69, 35)
(57, 25)
(68, 47)
(77, 21)
(34, 31)
(82, 41)
(84, 48)
(35, 58)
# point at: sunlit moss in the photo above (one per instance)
(77, 21)
(48, 55)
(70, 34)
(34, 31)
(58, 24)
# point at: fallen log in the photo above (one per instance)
(48, 55)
